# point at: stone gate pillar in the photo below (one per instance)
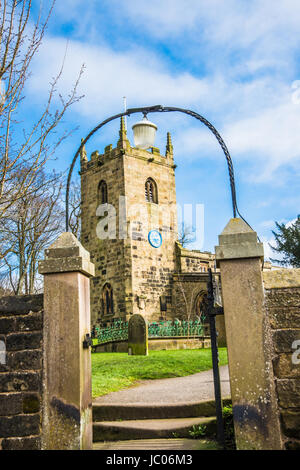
(255, 412)
(67, 397)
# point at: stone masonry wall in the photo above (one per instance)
(152, 268)
(282, 294)
(21, 324)
(110, 256)
(193, 261)
(138, 273)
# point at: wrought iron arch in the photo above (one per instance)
(160, 109)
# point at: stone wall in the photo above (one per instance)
(21, 324)
(282, 295)
(171, 344)
(193, 261)
(158, 344)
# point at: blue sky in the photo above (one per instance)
(235, 62)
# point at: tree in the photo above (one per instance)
(29, 226)
(186, 235)
(287, 240)
(25, 148)
(5, 287)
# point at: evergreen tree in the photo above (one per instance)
(288, 243)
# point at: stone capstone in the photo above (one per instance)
(238, 240)
(66, 254)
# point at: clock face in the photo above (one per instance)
(155, 238)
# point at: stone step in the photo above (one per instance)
(117, 411)
(151, 428)
(158, 444)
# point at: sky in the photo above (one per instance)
(236, 62)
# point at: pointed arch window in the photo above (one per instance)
(107, 300)
(102, 192)
(151, 191)
(200, 306)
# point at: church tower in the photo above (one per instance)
(129, 226)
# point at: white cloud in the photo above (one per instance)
(269, 253)
(272, 136)
(267, 240)
(265, 31)
(110, 75)
(236, 36)
(290, 223)
(234, 21)
(257, 117)
(267, 224)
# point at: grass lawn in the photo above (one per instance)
(113, 371)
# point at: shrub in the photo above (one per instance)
(228, 427)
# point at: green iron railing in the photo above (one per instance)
(166, 329)
(118, 331)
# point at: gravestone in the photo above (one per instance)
(137, 336)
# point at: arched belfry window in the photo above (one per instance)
(102, 192)
(107, 300)
(151, 191)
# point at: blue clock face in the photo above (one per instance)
(155, 238)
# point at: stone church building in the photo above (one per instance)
(129, 226)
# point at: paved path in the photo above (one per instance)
(178, 390)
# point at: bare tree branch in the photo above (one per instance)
(23, 152)
(29, 226)
(186, 235)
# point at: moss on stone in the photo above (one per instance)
(138, 349)
(31, 404)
